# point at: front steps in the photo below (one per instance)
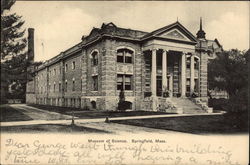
(176, 105)
(186, 106)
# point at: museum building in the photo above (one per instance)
(150, 67)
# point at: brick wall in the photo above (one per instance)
(41, 86)
(73, 74)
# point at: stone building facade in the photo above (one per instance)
(169, 61)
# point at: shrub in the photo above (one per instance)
(218, 104)
(194, 95)
(166, 94)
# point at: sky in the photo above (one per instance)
(60, 25)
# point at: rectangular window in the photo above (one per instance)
(196, 85)
(66, 86)
(188, 62)
(119, 82)
(124, 82)
(73, 85)
(60, 87)
(66, 67)
(128, 82)
(95, 83)
(73, 65)
(54, 87)
(54, 71)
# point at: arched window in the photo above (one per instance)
(124, 55)
(94, 58)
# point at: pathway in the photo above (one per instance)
(38, 114)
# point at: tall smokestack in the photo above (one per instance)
(31, 51)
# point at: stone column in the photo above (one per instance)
(183, 75)
(153, 73)
(192, 75)
(164, 70)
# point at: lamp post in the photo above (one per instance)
(72, 120)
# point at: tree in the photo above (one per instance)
(229, 72)
(6, 5)
(121, 100)
(13, 54)
(12, 41)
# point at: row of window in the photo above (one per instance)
(124, 82)
(42, 89)
(123, 56)
(54, 71)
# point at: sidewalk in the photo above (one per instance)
(38, 114)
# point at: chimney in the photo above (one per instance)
(31, 51)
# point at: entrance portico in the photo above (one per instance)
(169, 72)
(169, 55)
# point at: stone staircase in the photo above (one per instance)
(188, 106)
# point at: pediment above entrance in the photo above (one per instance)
(174, 34)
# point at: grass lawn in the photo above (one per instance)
(11, 114)
(52, 128)
(219, 124)
(88, 114)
